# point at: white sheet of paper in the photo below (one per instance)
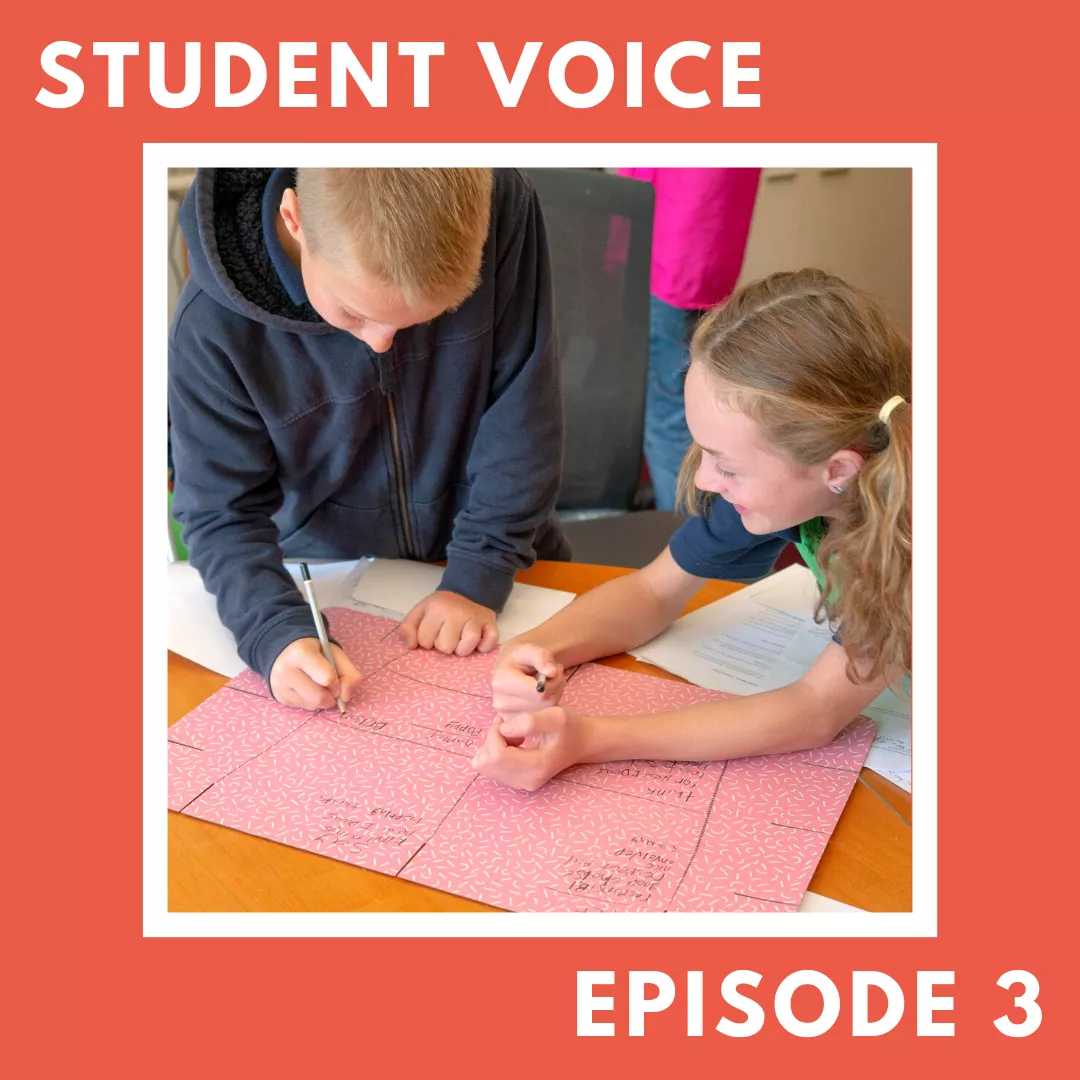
(900, 779)
(764, 637)
(195, 631)
(760, 638)
(816, 904)
(392, 586)
(892, 748)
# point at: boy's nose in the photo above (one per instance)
(378, 339)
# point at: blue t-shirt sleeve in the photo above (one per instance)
(717, 545)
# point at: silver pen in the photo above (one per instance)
(320, 626)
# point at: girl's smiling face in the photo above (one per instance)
(767, 490)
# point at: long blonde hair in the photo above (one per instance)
(812, 360)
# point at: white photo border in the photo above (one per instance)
(921, 921)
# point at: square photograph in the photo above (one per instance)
(539, 539)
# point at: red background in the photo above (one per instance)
(991, 90)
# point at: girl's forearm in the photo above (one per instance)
(612, 618)
(790, 719)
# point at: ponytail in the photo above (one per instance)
(866, 557)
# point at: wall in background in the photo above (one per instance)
(855, 223)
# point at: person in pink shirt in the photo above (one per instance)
(701, 221)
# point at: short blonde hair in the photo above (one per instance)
(421, 231)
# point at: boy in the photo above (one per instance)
(362, 363)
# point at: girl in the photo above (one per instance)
(797, 400)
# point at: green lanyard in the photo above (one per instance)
(810, 535)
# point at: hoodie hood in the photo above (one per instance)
(228, 221)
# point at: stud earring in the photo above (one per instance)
(837, 490)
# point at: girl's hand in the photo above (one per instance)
(527, 750)
(513, 683)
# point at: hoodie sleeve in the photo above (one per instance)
(225, 491)
(515, 465)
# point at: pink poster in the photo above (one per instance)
(388, 786)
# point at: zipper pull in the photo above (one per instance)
(386, 373)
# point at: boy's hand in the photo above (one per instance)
(301, 676)
(527, 750)
(451, 624)
(513, 683)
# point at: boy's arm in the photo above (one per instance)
(515, 466)
(226, 490)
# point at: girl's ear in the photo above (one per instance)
(841, 469)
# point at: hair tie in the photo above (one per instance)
(887, 408)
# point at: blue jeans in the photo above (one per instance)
(667, 438)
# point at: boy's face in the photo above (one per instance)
(358, 303)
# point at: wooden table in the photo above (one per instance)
(211, 868)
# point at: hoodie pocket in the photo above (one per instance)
(435, 520)
(344, 532)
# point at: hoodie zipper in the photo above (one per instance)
(399, 468)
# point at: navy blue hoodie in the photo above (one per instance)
(291, 437)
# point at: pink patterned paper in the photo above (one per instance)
(341, 791)
(219, 736)
(388, 786)
(563, 848)
(466, 674)
(249, 683)
(422, 713)
(604, 691)
(372, 643)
